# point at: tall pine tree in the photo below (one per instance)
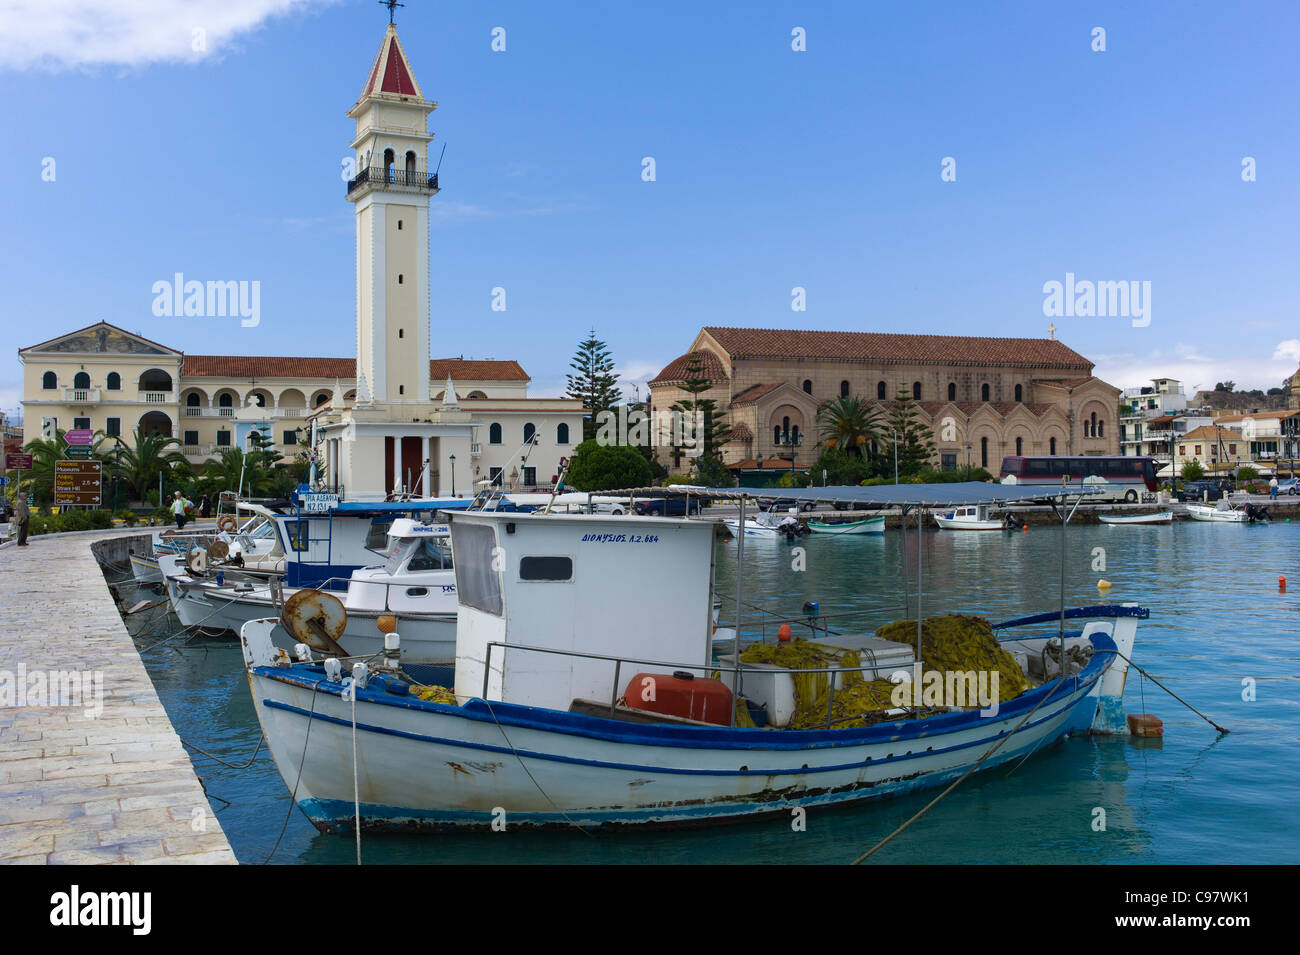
(915, 439)
(712, 434)
(594, 381)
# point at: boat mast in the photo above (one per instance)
(740, 576)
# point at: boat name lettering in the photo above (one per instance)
(621, 538)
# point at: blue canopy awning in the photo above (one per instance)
(958, 494)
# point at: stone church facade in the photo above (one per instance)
(984, 398)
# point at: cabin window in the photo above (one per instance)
(546, 568)
(377, 538)
(478, 585)
(431, 556)
(49, 381)
(296, 532)
(417, 591)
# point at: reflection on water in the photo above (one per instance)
(1217, 619)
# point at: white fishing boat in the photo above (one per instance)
(251, 548)
(416, 585)
(770, 523)
(543, 725)
(870, 525)
(1157, 517)
(1223, 512)
(974, 517)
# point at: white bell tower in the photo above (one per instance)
(391, 193)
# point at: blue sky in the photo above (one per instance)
(774, 169)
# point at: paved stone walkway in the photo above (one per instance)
(78, 786)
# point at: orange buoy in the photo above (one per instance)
(1281, 583)
(783, 633)
(1145, 724)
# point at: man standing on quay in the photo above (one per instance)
(180, 507)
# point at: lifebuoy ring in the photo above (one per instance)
(227, 522)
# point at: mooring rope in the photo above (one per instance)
(1221, 729)
(356, 785)
(258, 749)
(961, 779)
(293, 796)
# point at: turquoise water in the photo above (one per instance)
(1217, 618)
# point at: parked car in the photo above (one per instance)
(7, 509)
(665, 507)
(785, 503)
(1289, 486)
(1201, 490)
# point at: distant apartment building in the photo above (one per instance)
(1267, 441)
(1146, 416)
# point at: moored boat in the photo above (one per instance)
(870, 525)
(545, 724)
(974, 517)
(1158, 517)
(1223, 512)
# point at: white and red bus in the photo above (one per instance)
(1125, 478)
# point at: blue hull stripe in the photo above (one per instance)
(635, 768)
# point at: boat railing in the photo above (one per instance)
(735, 669)
(815, 623)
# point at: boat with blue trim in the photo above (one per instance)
(543, 720)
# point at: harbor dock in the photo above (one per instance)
(91, 769)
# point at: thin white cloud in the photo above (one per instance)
(68, 34)
(1197, 371)
(1288, 350)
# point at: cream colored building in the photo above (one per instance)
(984, 398)
(390, 419)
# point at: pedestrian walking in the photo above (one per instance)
(205, 507)
(181, 507)
(22, 516)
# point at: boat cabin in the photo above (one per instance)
(561, 585)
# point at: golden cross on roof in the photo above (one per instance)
(1051, 331)
(390, 4)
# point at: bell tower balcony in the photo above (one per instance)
(410, 179)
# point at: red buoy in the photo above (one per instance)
(1281, 584)
(783, 633)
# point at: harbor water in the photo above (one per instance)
(1221, 634)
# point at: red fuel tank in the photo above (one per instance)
(680, 694)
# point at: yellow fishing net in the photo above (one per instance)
(960, 648)
(434, 694)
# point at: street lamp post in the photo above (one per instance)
(452, 459)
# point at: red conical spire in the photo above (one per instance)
(391, 73)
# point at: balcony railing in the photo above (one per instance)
(156, 397)
(394, 177)
(475, 450)
(81, 395)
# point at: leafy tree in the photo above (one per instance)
(1247, 473)
(599, 467)
(1192, 470)
(594, 381)
(841, 467)
(915, 439)
(711, 472)
(849, 425)
(148, 456)
(710, 434)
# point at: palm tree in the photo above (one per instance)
(148, 456)
(849, 424)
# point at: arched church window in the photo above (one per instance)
(1020, 393)
(952, 391)
(880, 391)
(388, 165)
(984, 392)
(410, 166)
(494, 433)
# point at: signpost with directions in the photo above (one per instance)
(78, 483)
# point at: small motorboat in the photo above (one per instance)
(975, 517)
(1224, 513)
(1158, 517)
(870, 525)
(769, 523)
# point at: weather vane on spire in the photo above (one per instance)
(390, 4)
